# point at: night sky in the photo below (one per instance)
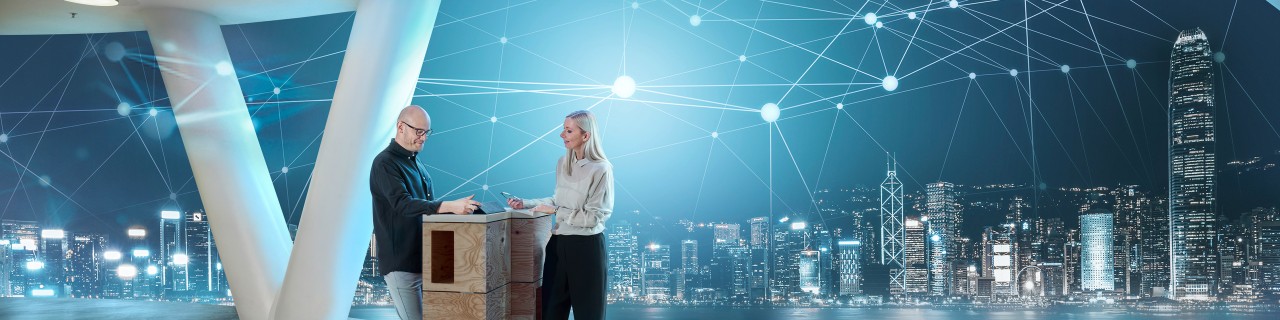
(75, 159)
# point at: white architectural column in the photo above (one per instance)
(235, 186)
(379, 73)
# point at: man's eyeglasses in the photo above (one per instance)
(417, 131)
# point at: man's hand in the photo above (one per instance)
(460, 206)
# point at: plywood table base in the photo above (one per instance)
(483, 266)
(460, 305)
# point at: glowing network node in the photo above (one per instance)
(890, 83)
(153, 112)
(284, 169)
(275, 91)
(1066, 68)
(4, 137)
(485, 187)
(911, 15)
(173, 196)
(770, 112)
(1131, 64)
(635, 5)
(840, 106)
(879, 24)
(224, 68)
(114, 51)
(715, 134)
(493, 119)
(695, 20)
(123, 109)
(624, 86)
(973, 76)
(954, 4)
(45, 181)
(1013, 72)
(503, 40)
(1219, 57)
(870, 18)
(742, 58)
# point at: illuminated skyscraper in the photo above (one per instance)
(84, 265)
(1192, 182)
(943, 209)
(789, 242)
(172, 243)
(657, 273)
(1130, 205)
(739, 269)
(1097, 267)
(726, 236)
(1154, 232)
(53, 255)
(688, 273)
(22, 236)
(892, 233)
(847, 265)
(199, 252)
(916, 271)
(758, 248)
(808, 269)
(624, 262)
(997, 258)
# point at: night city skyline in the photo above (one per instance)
(289, 127)
(766, 152)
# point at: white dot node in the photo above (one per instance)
(770, 112)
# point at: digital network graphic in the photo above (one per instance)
(710, 110)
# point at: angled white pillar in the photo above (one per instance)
(235, 186)
(379, 73)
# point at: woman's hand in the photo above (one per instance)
(542, 208)
(515, 203)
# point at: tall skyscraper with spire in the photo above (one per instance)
(892, 234)
(1192, 181)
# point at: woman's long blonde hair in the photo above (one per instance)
(592, 150)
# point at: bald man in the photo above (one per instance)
(402, 193)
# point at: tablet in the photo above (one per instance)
(490, 207)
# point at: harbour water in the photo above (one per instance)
(765, 313)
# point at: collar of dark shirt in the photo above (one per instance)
(401, 151)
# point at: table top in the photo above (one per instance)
(482, 218)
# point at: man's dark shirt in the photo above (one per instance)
(401, 195)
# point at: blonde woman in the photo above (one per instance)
(574, 275)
